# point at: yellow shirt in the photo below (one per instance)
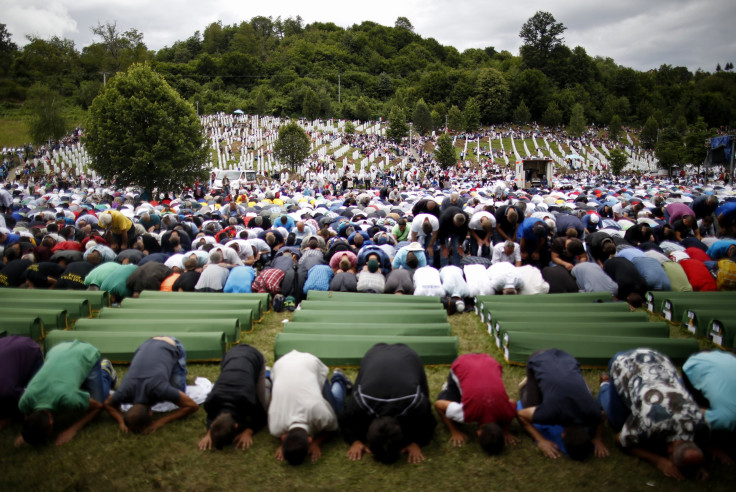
(120, 223)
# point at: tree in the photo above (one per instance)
(362, 110)
(349, 127)
(260, 102)
(444, 152)
(455, 119)
(122, 49)
(471, 115)
(649, 133)
(552, 115)
(522, 116)
(8, 50)
(403, 23)
(47, 122)
(492, 93)
(310, 104)
(141, 132)
(618, 160)
(695, 151)
(292, 145)
(397, 127)
(614, 127)
(669, 150)
(422, 118)
(542, 35)
(576, 127)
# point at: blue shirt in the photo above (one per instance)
(240, 279)
(714, 375)
(318, 278)
(653, 273)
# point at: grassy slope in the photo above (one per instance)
(101, 458)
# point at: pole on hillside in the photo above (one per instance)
(730, 164)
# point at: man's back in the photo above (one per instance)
(148, 379)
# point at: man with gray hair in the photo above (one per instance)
(508, 251)
(214, 276)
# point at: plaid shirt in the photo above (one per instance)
(269, 280)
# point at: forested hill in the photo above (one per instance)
(284, 67)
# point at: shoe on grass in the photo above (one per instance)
(106, 366)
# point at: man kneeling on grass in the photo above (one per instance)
(157, 373)
(558, 410)
(304, 405)
(236, 406)
(72, 382)
(474, 393)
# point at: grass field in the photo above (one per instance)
(101, 458)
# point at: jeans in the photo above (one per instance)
(452, 243)
(98, 383)
(179, 373)
(334, 392)
(610, 401)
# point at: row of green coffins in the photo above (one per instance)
(704, 314)
(339, 328)
(587, 325)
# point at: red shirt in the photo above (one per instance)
(484, 397)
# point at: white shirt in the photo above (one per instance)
(475, 223)
(499, 254)
(416, 225)
(296, 396)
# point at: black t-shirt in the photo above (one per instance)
(566, 399)
(38, 273)
(74, 275)
(235, 390)
(503, 222)
(148, 379)
(626, 275)
(447, 226)
(392, 378)
(559, 246)
(559, 280)
(12, 274)
(186, 281)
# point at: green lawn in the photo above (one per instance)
(101, 458)
(14, 131)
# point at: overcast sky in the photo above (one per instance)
(642, 34)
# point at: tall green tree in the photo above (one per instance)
(649, 133)
(576, 127)
(422, 118)
(397, 127)
(552, 115)
(141, 132)
(260, 103)
(8, 50)
(542, 35)
(455, 119)
(670, 150)
(521, 116)
(310, 104)
(362, 110)
(695, 151)
(492, 93)
(618, 161)
(121, 48)
(47, 121)
(292, 145)
(614, 127)
(444, 152)
(471, 115)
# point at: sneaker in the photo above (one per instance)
(106, 366)
(290, 303)
(341, 375)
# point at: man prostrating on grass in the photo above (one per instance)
(157, 373)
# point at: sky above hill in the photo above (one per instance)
(641, 34)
